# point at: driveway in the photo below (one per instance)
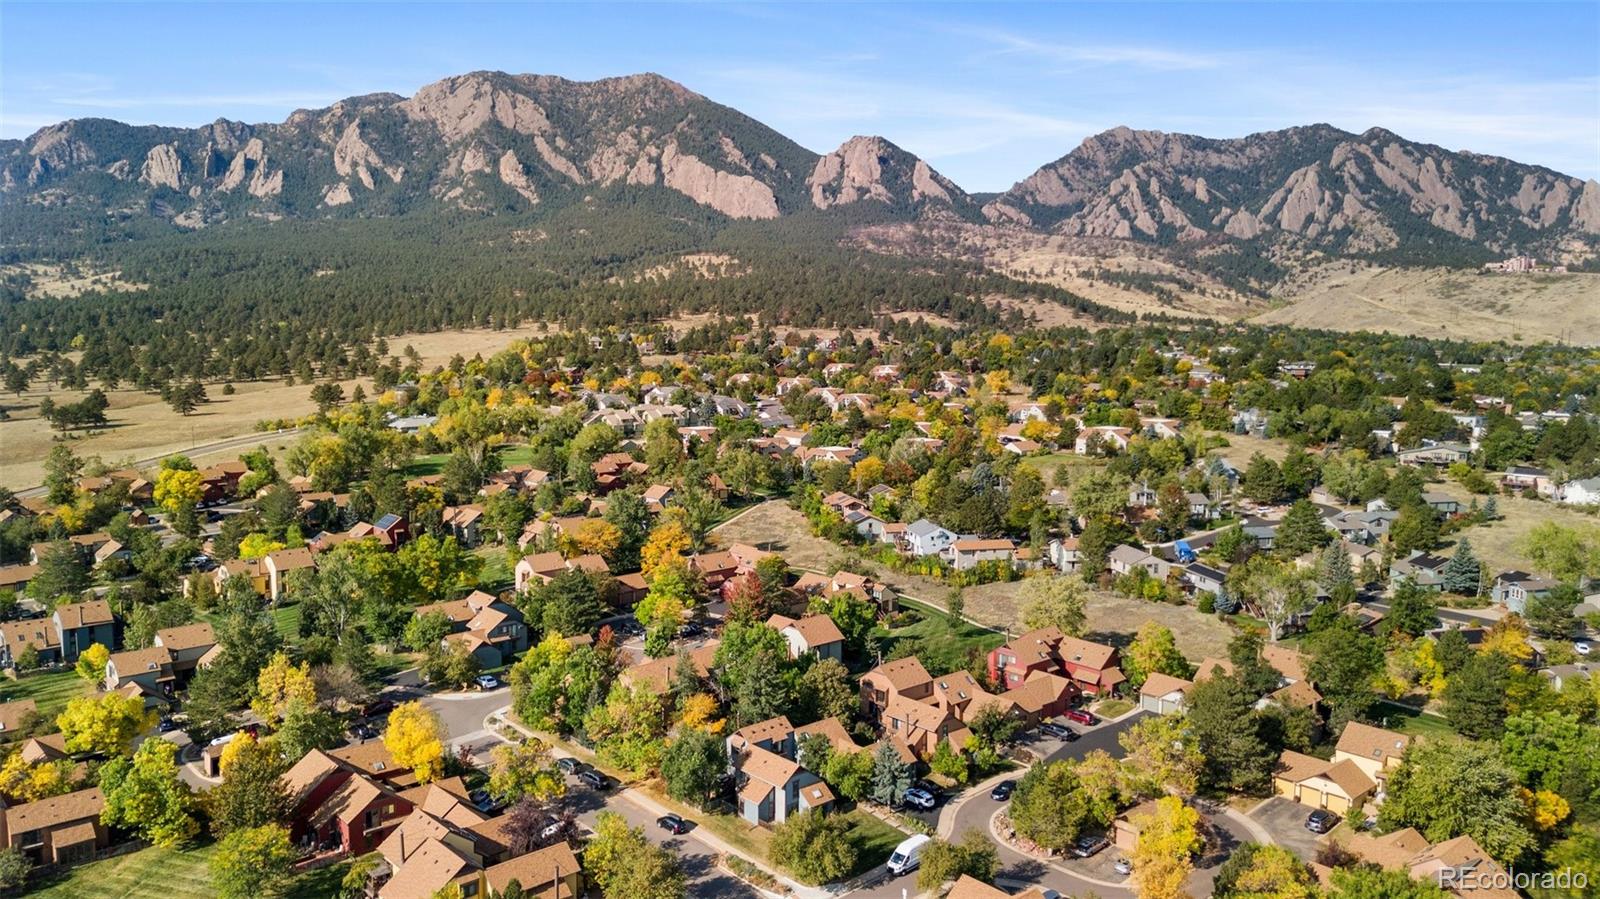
(1102, 736)
(1285, 819)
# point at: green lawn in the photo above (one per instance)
(942, 645)
(874, 839)
(156, 873)
(51, 690)
(287, 621)
(496, 574)
(1410, 721)
(422, 466)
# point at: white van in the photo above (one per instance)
(908, 855)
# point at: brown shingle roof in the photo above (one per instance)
(902, 674)
(12, 713)
(68, 808)
(84, 614)
(534, 869)
(1370, 742)
(1159, 684)
(187, 636)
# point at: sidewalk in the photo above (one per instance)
(559, 748)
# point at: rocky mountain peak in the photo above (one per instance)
(868, 167)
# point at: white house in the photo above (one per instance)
(969, 551)
(924, 538)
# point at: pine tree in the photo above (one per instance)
(1336, 575)
(891, 777)
(1461, 573)
(1491, 509)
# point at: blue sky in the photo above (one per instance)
(986, 92)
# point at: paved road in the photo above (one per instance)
(698, 859)
(1481, 617)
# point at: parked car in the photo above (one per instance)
(487, 682)
(1088, 846)
(1123, 867)
(552, 826)
(569, 765)
(595, 779)
(361, 730)
(920, 798)
(1581, 647)
(1321, 821)
(1058, 731)
(377, 707)
(1079, 716)
(692, 629)
(166, 725)
(672, 824)
(1003, 790)
(484, 801)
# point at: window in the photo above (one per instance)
(373, 818)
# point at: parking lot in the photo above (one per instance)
(1285, 819)
(1102, 736)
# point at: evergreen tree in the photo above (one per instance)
(1412, 610)
(1219, 711)
(1302, 530)
(891, 776)
(1461, 575)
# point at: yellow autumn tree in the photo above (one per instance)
(177, 490)
(254, 546)
(279, 683)
(1509, 637)
(242, 742)
(1546, 810)
(667, 542)
(105, 724)
(416, 740)
(30, 782)
(597, 536)
(92, 663)
(700, 713)
(1169, 837)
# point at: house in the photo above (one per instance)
(1338, 786)
(1422, 569)
(659, 674)
(1580, 493)
(1163, 693)
(16, 577)
(925, 538)
(1372, 749)
(1064, 554)
(770, 784)
(922, 726)
(40, 633)
(902, 677)
(1442, 503)
(1438, 455)
(657, 496)
(463, 523)
(866, 524)
(1043, 694)
(1458, 866)
(1124, 559)
(278, 565)
(1092, 667)
(967, 887)
(491, 630)
(1513, 589)
(60, 830)
(188, 646)
(1101, 438)
(1204, 579)
(967, 552)
(336, 808)
(1524, 478)
(80, 625)
(538, 567)
(16, 717)
(150, 669)
(810, 633)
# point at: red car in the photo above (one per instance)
(1079, 716)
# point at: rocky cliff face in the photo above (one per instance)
(1345, 192)
(490, 142)
(481, 141)
(873, 169)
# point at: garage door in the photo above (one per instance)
(1337, 804)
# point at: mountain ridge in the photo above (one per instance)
(490, 142)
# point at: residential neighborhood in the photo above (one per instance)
(859, 619)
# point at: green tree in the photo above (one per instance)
(252, 793)
(1153, 650)
(1475, 696)
(1364, 882)
(1449, 787)
(1568, 553)
(692, 765)
(1551, 615)
(825, 691)
(62, 469)
(1227, 733)
(1255, 871)
(1301, 531)
(145, 795)
(1412, 610)
(1249, 666)
(973, 855)
(1414, 529)
(61, 574)
(525, 769)
(624, 865)
(891, 776)
(571, 604)
(1345, 662)
(1263, 480)
(850, 773)
(1058, 601)
(815, 847)
(1051, 806)
(254, 861)
(1462, 574)
(305, 727)
(15, 868)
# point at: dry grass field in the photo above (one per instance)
(1497, 544)
(1442, 302)
(54, 282)
(144, 427)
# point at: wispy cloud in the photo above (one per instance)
(1155, 58)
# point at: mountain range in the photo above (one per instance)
(489, 143)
